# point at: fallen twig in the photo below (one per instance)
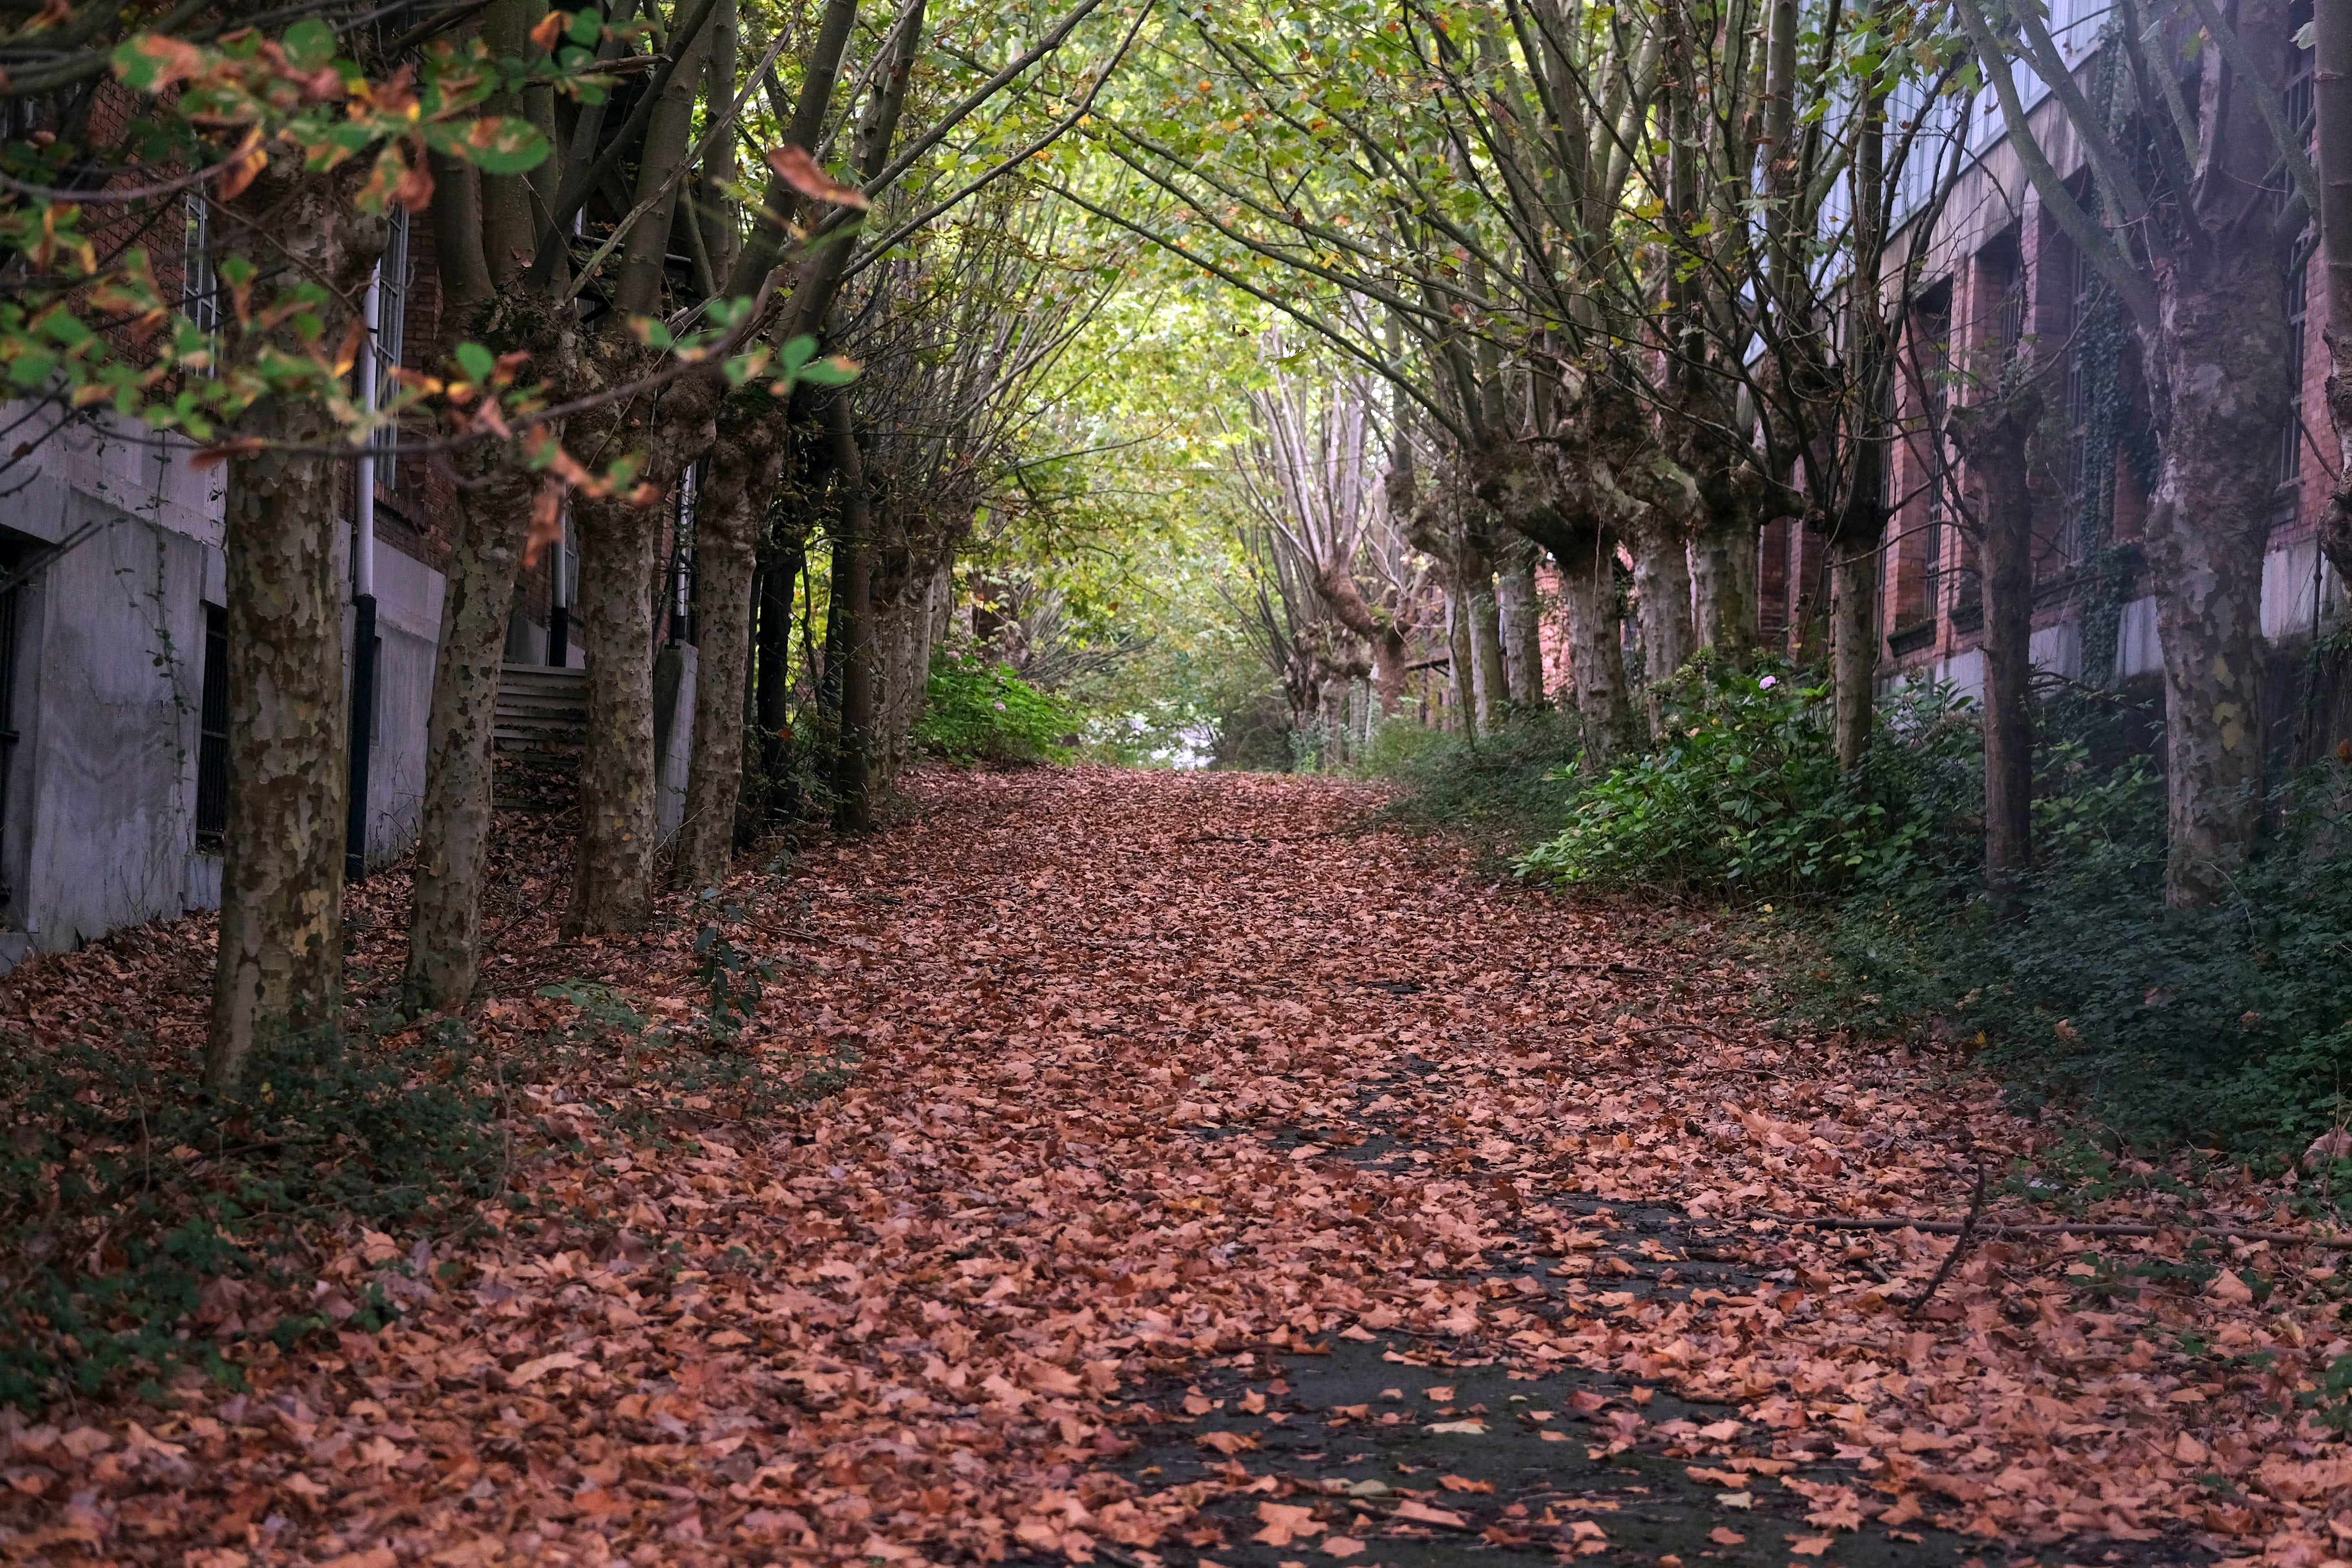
(1967, 1232)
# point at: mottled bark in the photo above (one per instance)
(612, 875)
(853, 620)
(1521, 605)
(1662, 607)
(2222, 360)
(1596, 654)
(1491, 682)
(1993, 440)
(613, 878)
(493, 518)
(1853, 647)
(1723, 568)
(1460, 683)
(280, 960)
(739, 479)
(444, 922)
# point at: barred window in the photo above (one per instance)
(200, 284)
(391, 328)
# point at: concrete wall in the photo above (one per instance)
(101, 817)
(98, 828)
(409, 624)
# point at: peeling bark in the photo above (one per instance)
(281, 964)
(2223, 362)
(1661, 603)
(612, 875)
(1723, 568)
(1994, 440)
(1522, 611)
(444, 923)
(741, 479)
(1587, 577)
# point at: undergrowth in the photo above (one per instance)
(1502, 790)
(148, 1223)
(977, 711)
(2228, 1026)
(128, 1190)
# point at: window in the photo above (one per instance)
(391, 328)
(681, 558)
(2010, 327)
(2298, 313)
(2300, 99)
(199, 284)
(1935, 329)
(12, 599)
(212, 744)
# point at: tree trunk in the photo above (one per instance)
(1459, 677)
(1854, 648)
(1994, 440)
(1493, 692)
(613, 881)
(2221, 363)
(1661, 600)
(1522, 612)
(1596, 651)
(739, 480)
(493, 498)
(1722, 568)
(1391, 656)
(613, 878)
(853, 616)
(445, 921)
(774, 697)
(280, 961)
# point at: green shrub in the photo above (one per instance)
(2229, 1025)
(977, 711)
(1742, 792)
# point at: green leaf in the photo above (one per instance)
(479, 363)
(32, 367)
(587, 27)
(798, 352)
(308, 43)
(497, 144)
(836, 372)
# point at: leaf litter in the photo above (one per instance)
(1180, 1082)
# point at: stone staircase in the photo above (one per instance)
(542, 714)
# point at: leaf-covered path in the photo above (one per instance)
(1224, 1181)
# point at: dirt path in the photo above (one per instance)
(1221, 1184)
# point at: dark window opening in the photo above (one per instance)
(11, 600)
(2298, 316)
(212, 745)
